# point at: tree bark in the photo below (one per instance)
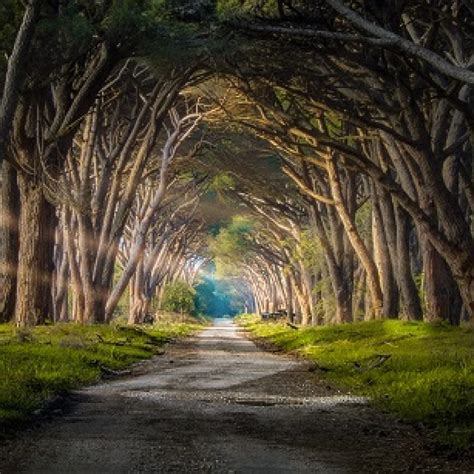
(442, 299)
(9, 210)
(410, 299)
(35, 260)
(61, 278)
(404, 46)
(384, 262)
(357, 242)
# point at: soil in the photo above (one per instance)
(219, 403)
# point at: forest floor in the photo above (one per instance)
(218, 403)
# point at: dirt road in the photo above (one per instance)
(217, 403)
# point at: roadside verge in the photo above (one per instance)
(423, 373)
(39, 366)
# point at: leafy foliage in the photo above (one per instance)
(10, 17)
(217, 298)
(309, 249)
(179, 297)
(232, 245)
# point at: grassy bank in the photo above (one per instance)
(422, 372)
(48, 360)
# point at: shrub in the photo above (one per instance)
(179, 297)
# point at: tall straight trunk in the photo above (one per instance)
(272, 290)
(452, 239)
(9, 211)
(35, 259)
(409, 294)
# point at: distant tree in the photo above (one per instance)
(179, 297)
(204, 299)
(217, 297)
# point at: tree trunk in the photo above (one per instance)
(289, 298)
(359, 295)
(410, 299)
(35, 260)
(139, 310)
(373, 280)
(9, 210)
(441, 294)
(307, 288)
(384, 262)
(61, 281)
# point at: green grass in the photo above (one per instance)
(49, 360)
(428, 378)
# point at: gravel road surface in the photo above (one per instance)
(218, 403)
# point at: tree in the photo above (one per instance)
(179, 297)
(14, 74)
(69, 61)
(418, 159)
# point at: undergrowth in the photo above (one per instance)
(422, 372)
(37, 364)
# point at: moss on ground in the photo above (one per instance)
(422, 372)
(45, 361)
